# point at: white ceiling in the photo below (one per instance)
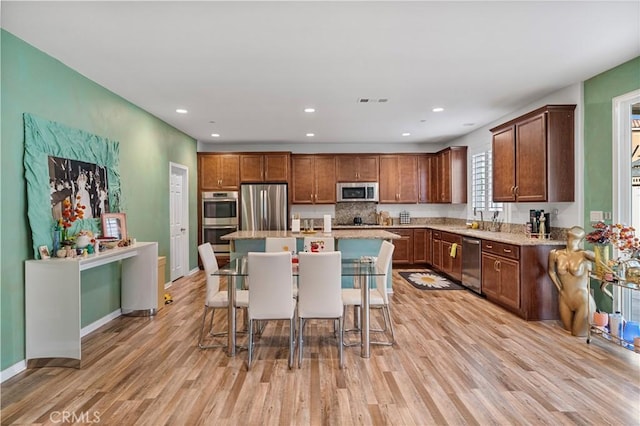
(251, 67)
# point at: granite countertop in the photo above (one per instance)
(502, 237)
(378, 233)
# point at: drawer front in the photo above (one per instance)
(452, 238)
(402, 232)
(501, 249)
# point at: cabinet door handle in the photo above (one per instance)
(506, 250)
(489, 246)
(513, 190)
(516, 190)
(497, 266)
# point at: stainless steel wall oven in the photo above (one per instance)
(219, 218)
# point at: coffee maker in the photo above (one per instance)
(539, 223)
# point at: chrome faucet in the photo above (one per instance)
(475, 211)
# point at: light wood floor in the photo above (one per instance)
(458, 360)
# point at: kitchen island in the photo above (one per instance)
(353, 243)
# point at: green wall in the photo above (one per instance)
(599, 92)
(39, 84)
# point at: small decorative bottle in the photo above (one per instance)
(57, 235)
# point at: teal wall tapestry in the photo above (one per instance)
(45, 138)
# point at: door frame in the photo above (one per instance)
(179, 169)
(621, 166)
(621, 173)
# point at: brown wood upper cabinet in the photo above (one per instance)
(313, 179)
(265, 167)
(533, 156)
(398, 179)
(448, 176)
(425, 164)
(357, 168)
(219, 172)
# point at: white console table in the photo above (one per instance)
(52, 299)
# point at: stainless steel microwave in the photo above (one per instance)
(357, 191)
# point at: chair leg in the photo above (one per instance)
(393, 333)
(204, 318)
(292, 336)
(300, 343)
(201, 344)
(344, 321)
(250, 345)
(341, 341)
(388, 324)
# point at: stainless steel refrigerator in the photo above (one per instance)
(264, 207)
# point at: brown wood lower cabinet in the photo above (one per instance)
(516, 278)
(451, 265)
(421, 249)
(501, 280)
(436, 250)
(403, 252)
(513, 276)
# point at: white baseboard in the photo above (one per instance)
(16, 368)
(193, 271)
(20, 366)
(99, 323)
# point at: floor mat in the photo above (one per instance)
(427, 279)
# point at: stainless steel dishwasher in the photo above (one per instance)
(471, 264)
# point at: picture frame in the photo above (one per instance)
(114, 225)
(44, 252)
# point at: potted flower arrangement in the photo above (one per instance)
(622, 237)
(70, 214)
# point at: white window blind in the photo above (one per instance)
(481, 187)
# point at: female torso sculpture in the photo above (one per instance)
(569, 270)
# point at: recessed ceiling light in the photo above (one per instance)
(181, 111)
(311, 135)
(215, 135)
(309, 110)
(423, 121)
(406, 134)
(469, 124)
(438, 109)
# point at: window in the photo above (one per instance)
(481, 191)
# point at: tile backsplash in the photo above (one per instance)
(345, 212)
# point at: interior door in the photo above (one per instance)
(178, 223)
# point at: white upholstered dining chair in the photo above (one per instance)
(378, 296)
(272, 244)
(275, 244)
(215, 298)
(320, 293)
(271, 294)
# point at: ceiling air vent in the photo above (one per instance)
(372, 100)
